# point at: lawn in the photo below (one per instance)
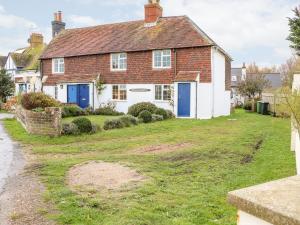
(184, 187)
(99, 120)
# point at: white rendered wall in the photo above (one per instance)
(204, 109)
(221, 97)
(295, 140)
(10, 66)
(49, 90)
(193, 100)
(247, 219)
(132, 97)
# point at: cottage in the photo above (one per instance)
(168, 61)
(2, 62)
(23, 65)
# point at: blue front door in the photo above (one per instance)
(184, 100)
(79, 94)
(72, 94)
(84, 95)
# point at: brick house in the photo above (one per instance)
(168, 61)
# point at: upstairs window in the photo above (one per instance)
(58, 65)
(119, 62)
(162, 92)
(119, 92)
(162, 59)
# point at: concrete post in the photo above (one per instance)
(295, 140)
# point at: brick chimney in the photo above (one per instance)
(57, 25)
(36, 40)
(153, 11)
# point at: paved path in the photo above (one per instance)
(11, 158)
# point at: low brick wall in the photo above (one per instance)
(41, 123)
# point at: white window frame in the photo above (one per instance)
(162, 92)
(60, 66)
(121, 87)
(154, 66)
(118, 61)
(234, 78)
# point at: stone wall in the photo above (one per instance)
(41, 123)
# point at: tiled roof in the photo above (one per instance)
(56, 79)
(2, 61)
(169, 32)
(187, 76)
(275, 79)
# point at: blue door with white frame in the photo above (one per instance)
(79, 94)
(184, 100)
(84, 96)
(72, 94)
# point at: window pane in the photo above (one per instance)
(167, 93)
(158, 92)
(166, 61)
(123, 94)
(157, 59)
(115, 92)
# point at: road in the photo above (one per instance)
(11, 159)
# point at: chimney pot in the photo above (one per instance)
(59, 16)
(57, 25)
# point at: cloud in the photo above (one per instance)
(239, 25)
(82, 21)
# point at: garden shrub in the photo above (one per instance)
(161, 112)
(84, 124)
(95, 128)
(136, 109)
(113, 124)
(70, 129)
(248, 105)
(156, 117)
(31, 101)
(145, 116)
(10, 104)
(72, 111)
(129, 120)
(108, 110)
(170, 114)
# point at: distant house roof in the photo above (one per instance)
(27, 58)
(169, 32)
(274, 79)
(2, 61)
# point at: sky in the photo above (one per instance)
(250, 31)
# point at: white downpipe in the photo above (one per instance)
(213, 81)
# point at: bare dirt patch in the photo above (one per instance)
(163, 148)
(102, 176)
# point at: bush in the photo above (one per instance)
(145, 116)
(70, 129)
(95, 128)
(248, 105)
(170, 114)
(161, 112)
(108, 110)
(113, 124)
(71, 111)
(10, 104)
(84, 125)
(156, 117)
(136, 109)
(129, 120)
(38, 100)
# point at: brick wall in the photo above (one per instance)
(228, 74)
(139, 68)
(41, 123)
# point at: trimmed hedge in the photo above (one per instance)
(31, 101)
(70, 129)
(146, 116)
(72, 111)
(161, 112)
(129, 120)
(156, 117)
(84, 125)
(136, 109)
(113, 124)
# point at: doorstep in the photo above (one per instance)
(276, 202)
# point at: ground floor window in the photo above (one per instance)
(22, 88)
(163, 92)
(119, 92)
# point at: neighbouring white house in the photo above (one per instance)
(24, 66)
(168, 61)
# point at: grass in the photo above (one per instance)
(184, 187)
(99, 120)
